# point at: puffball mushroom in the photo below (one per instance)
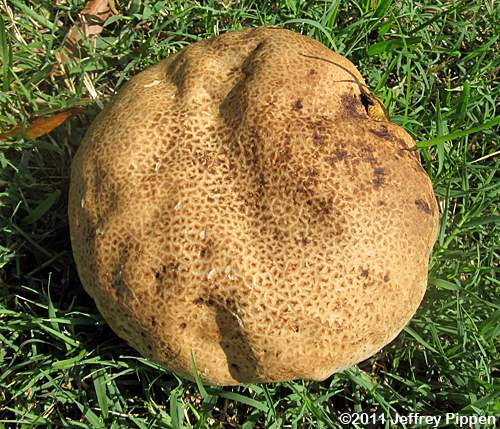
(245, 202)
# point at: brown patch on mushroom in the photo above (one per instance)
(379, 179)
(423, 206)
(382, 132)
(366, 154)
(340, 155)
(207, 249)
(318, 139)
(311, 172)
(337, 156)
(321, 206)
(284, 155)
(352, 106)
(298, 105)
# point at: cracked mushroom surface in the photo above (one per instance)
(245, 201)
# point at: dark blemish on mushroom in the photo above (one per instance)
(350, 104)
(311, 172)
(340, 155)
(296, 328)
(364, 273)
(277, 234)
(230, 304)
(198, 301)
(160, 272)
(338, 229)
(321, 206)
(325, 206)
(297, 105)
(250, 152)
(410, 151)
(317, 139)
(312, 72)
(423, 206)
(309, 182)
(153, 321)
(379, 180)
(366, 154)
(284, 156)
(383, 132)
(386, 277)
(261, 179)
(331, 160)
(183, 325)
(167, 271)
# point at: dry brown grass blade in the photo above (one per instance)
(41, 126)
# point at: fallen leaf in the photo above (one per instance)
(89, 25)
(41, 126)
(93, 15)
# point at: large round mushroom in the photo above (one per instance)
(247, 202)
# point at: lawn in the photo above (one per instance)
(434, 65)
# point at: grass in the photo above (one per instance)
(433, 64)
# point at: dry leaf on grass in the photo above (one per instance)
(91, 19)
(89, 25)
(41, 126)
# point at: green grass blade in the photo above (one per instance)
(463, 103)
(199, 383)
(99, 380)
(42, 208)
(6, 53)
(40, 19)
(238, 398)
(458, 134)
(382, 8)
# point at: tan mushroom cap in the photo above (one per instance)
(238, 202)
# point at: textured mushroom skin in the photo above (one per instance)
(237, 202)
